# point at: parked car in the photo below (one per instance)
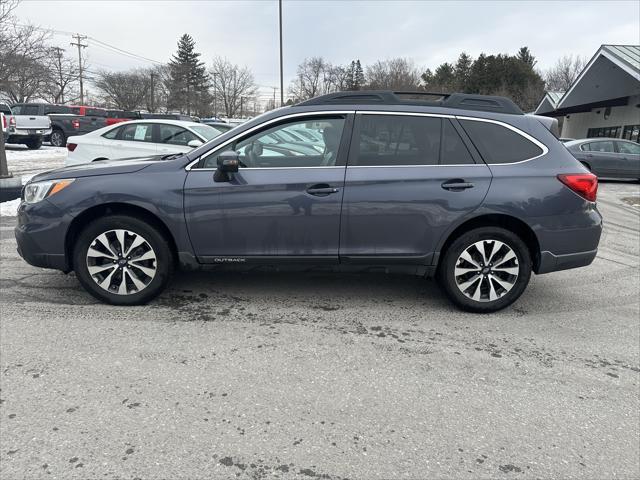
(5, 113)
(25, 128)
(87, 111)
(138, 138)
(4, 124)
(63, 121)
(608, 157)
(170, 116)
(466, 188)
(118, 116)
(220, 126)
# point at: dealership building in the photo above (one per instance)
(604, 101)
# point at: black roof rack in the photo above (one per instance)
(463, 101)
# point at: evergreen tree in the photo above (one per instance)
(188, 83)
(462, 71)
(524, 54)
(358, 76)
(355, 76)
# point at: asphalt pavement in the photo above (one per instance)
(325, 376)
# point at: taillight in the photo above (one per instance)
(4, 122)
(12, 121)
(71, 146)
(584, 184)
(75, 124)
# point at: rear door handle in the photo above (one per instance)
(321, 190)
(457, 185)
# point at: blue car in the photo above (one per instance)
(465, 188)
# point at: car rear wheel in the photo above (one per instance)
(58, 138)
(122, 260)
(486, 269)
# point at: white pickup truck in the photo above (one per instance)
(26, 129)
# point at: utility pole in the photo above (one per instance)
(58, 53)
(80, 46)
(215, 96)
(274, 96)
(153, 92)
(281, 79)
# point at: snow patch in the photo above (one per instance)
(10, 208)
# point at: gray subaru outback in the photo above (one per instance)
(462, 187)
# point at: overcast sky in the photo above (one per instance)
(246, 32)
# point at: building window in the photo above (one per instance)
(631, 132)
(609, 132)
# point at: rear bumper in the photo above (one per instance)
(31, 132)
(553, 263)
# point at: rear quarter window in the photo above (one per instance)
(498, 144)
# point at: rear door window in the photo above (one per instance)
(605, 147)
(498, 144)
(454, 151)
(387, 140)
(628, 148)
(137, 132)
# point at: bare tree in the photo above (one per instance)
(23, 56)
(562, 75)
(63, 77)
(394, 74)
(234, 86)
(124, 90)
(315, 77)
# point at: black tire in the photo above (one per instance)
(34, 144)
(446, 271)
(164, 262)
(58, 138)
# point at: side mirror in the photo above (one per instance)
(228, 162)
(194, 143)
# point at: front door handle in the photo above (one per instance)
(321, 190)
(456, 185)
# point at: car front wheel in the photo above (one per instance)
(486, 269)
(122, 260)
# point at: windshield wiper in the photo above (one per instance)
(171, 155)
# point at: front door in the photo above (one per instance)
(285, 200)
(409, 178)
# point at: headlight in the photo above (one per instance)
(37, 191)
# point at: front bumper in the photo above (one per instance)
(40, 235)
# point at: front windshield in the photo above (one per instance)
(208, 132)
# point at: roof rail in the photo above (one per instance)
(463, 101)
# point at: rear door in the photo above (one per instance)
(409, 177)
(630, 152)
(134, 140)
(601, 156)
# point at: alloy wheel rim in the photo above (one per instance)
(486, 270)
(56, 139)
(121, 262)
